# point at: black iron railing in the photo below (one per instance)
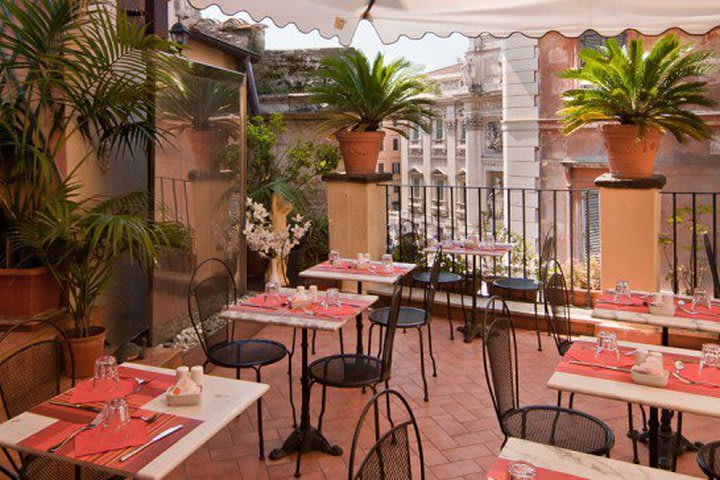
(521, 216)
(173, 199)
(687, 217)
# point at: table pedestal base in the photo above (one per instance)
(470, 331)
(305, 441)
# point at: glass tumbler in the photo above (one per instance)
(607, 342)
(710, 356)
(106, 373)
(387, 263)
(272, 294)
(521, 471)
(700, 299)
(333, 297)
(622, 292)
(334, 257)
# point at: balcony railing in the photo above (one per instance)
(520, 215)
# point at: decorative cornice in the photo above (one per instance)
(608, 180)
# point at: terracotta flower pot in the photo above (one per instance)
(360, 150)
(26, 292)
(85, 351)
(629, 156)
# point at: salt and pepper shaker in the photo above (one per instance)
(313, 293)
(181, 373)
(197, 375)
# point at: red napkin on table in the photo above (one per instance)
(709, 374)
(102, 439)
(261, 301)
(585, 352)
(101, 391)
(341, 311)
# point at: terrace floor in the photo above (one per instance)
(460, 432)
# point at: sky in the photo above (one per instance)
(431, 52)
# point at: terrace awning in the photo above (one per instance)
(501, 18)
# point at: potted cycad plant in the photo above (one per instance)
(81, 241)
(77, 70)
(367, 98)
(637, 96)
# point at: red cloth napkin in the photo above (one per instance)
(585, 352)
(261, 301)
(709, 374)
(498, 471)
(341, 311)
(102, 391)
(102, 439)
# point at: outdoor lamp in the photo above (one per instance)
(179, 33)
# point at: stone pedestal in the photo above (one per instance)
(629, 230)
(356, 213)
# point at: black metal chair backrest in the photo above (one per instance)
(389, 458)
(500, 362)
(557, 306)
(210, 296)
(389, 340)
(429, 298)
(32, 374)
(712, 261)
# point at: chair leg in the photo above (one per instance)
(632, 433)
(430, 347)
(322, 408)
(572, 400)
(342, 342)
(313, 341)
(370, 330)
(376, 414)
(409, 300)
(449, 310)
(537, 325)
(380, 340)
(422, 364)
(678, 441)
(260, 420)
(387, 403)
(292, 396)
(559, 398)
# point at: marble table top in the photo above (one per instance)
(581, 464)
(223, 400)
(298, 321)
(354, 275)
(635, 393)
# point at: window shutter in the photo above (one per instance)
(590, 213)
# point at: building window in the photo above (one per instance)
(440, 190)
(438, 130)
(590, 223)
(382, 146)
(381, 168)
(415, 187)
(414, 135)
(396, 168)
(463, 132)
(396, 144)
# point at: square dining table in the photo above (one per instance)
(472, 329)
(346, 270)
(613, 384)
(223, 399)
(553, 463)
(304, 437)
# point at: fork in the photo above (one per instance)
(95, 423)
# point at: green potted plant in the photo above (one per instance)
(637, 96)
(81, 241)
(367, 98)
(62, 81)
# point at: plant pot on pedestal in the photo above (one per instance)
(360, 150)
(85, 351)
(630, 156)
(26, 292)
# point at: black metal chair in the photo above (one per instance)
(213, 294)
(30, 376)
(708, 458)
(549, 425)
(413, 317)
(448, 280)
(529, 286)
(712, 262)
(356, 370)
(389, 457)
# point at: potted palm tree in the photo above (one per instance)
(367, 98)
(76, 70)
(637, 96)
(81, 241)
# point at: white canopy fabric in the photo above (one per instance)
(500, 18)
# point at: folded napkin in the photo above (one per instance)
(341, 311)
(102, 391)
(261, 301)
(585, 352)
(102, 439)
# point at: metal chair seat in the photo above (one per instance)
(513, 283)
(560, 427)
(346, 371)
(443, 277)
(409, 317)
(708, 458)
(247, 353)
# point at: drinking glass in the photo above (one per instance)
(334, 257)
(700, 298)
(106, 372)
(387, 261)
(607, 342)
(272, 294)
(333, 297)
(521, 471)
(115, 419)
(622, 292)
(710, 356)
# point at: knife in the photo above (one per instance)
(156, 438)
(600, 365)
(79, 406)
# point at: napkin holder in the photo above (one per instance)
(650, 380)
(182, 400)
